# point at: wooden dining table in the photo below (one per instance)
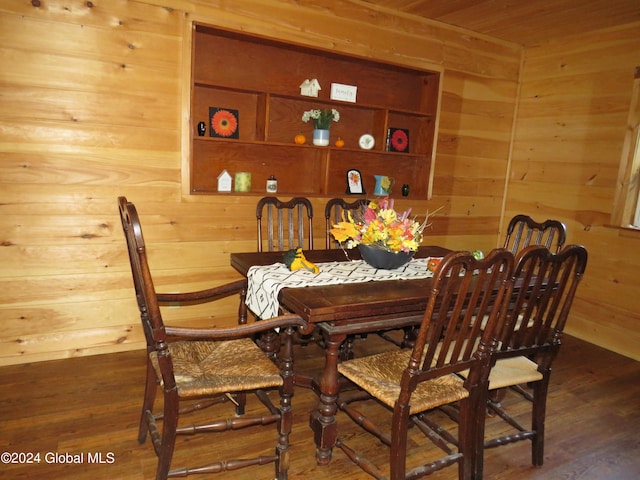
(340, 310)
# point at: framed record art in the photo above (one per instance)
(224, 122)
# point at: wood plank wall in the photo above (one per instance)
(93, 106)
(573, 108)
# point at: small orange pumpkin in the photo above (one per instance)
(299, 139)
(339, 142)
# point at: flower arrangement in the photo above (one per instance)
(321, 118)
(379, 225)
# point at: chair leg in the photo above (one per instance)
(150, 389)
(398, 447)
(476, 418)
(346, 350)
(538, 420)
(282, 447)
(497, 396)
(169, 426)
(468, 431)
(286, 415)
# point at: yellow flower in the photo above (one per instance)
(343, 231)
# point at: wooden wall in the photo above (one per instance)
(573, 109)
(93, 104)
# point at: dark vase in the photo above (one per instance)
(384, 259)
(202, 128)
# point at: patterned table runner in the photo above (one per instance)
(265, 282)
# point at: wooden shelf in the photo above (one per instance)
(261, 79)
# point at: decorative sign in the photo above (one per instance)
(345, 93)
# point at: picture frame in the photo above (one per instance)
(398, 140)
(354, 182)
(224, 122)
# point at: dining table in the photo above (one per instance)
(382, 301)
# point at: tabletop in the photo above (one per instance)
(348, 303)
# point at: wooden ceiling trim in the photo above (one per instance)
(523, 22)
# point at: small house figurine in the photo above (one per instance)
(224, 181)
(309, 88)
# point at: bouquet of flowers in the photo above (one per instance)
(321, 118)
(380, 226)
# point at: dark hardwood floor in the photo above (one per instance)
(90, 406)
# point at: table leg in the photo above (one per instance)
(323, 420)
(269, 343)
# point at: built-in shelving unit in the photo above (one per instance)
(260, 79)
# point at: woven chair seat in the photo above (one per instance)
(380, 375)
(513, 371)
(209, 368)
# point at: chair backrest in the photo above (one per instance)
(542, 290)
(453, 336)
(150, 315)
(524, 231)
(334, 212)
(284, 225)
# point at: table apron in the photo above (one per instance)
(370, 324)
(354, 313)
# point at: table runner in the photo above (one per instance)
(265, 282)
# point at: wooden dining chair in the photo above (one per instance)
(523, 231)
(284, 225)
(334, 212)
(209, 366)
(530, 339)
(408, 383)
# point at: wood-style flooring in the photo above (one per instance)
(90, 406)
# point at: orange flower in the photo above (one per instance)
(224, 123)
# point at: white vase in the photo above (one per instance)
(321, 137)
